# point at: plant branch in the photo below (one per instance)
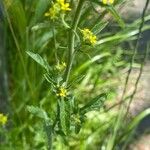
(71, 40)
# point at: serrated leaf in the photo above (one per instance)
(68, 114)
(49, 133)
(62, 116)
(38, 59)
(36, 111)
(94, 104)
(64, 107)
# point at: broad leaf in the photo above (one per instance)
(39, 59)
(36, 111)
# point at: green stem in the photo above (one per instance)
(71, 40)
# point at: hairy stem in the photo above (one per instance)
(71, 40)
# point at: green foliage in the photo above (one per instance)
(38, 112)
(94, 104)
(39, 60)
(67, 105)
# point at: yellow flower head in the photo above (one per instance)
(65, 7)
(107, 1)
(56, 9)
(3, 119)
(53, 11)
(88, 36)
(93, 39)
(62, 92)
(61, 66)
(60, 1)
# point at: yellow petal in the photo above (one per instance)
(47, 14)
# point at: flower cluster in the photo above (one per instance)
(56, 9)
(61, 91)
(88, 36)
(61, 66)
(107, 1)
(3, 119)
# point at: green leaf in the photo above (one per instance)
(41, 7)
(68, 114)
(36, 111)
(116, 15)
(49, 133)
(113, 11)
(64, 107)
(40, 26)
(17, 16)
(77, 128)
(39, 59)
(99, 27)
(89, 62)
(49, 79)
(94, 104)
(44, 39)
(78, 124)
(76, 80)
(133, 124)
(62, 116)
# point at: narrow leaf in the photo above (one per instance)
(94, 104)
(115, 14)
(48, 130)
(62, 116)
(99, 27)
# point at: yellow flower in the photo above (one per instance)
(104, 1)
(60, 1)
(61, 66)
(53, 11)
(76, 118)
(88, 36)
(56, 9)
(3, 119)
(65, 7)
(62, 92)
(111, 1)
(93, 39)
(107, 1)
